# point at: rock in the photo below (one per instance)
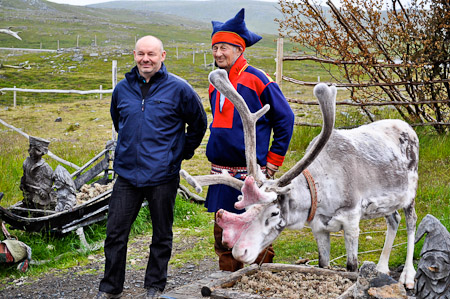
(78, 57)
(396, 290)
(373, 284)
(58, 119)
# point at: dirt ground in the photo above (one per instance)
(82, 281)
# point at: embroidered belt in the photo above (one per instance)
(237, 172)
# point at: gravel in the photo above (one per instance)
(82, 281)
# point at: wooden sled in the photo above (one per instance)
(97, 170)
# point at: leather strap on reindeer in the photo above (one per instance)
(313, 191)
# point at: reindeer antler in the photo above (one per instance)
(219, 79)
(205, 180)
(327, 100)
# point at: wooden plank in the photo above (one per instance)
(99, 155)
(232, 294)
(229, 280)
(91, 173)
(32, 211)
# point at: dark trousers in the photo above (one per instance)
(124, 206)
(226, 260)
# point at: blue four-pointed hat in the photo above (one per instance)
(234, 31)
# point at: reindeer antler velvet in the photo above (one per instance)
(234, 224)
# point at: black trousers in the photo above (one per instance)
(124, 206)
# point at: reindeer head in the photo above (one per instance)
(264, 228)
(250, 232)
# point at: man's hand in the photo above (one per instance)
(271, 170)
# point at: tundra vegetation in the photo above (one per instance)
(86, 126)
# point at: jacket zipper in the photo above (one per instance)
(142, 106)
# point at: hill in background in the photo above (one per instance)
(45, 24)
(259, 15)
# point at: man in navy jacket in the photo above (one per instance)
(150, 109)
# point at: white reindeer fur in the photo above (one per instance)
(363, 173)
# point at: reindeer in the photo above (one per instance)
(345, 176)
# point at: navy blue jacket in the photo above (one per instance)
(152, 134)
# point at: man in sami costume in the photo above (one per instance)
(225, 149)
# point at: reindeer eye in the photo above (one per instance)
(275, 214)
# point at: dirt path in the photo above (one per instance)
(82, 281)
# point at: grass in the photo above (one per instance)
(86, 127)
(191, 219)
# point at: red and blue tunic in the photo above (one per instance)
(226, 142)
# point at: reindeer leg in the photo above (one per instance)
(323, 245)
(408, 273)
(351, 236)
(392, 222)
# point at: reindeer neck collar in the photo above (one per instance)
(313, 191)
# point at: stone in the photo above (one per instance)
(392, 291)
(373, 284)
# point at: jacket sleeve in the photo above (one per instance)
(195, 118)
(114, 111)
(282, 123)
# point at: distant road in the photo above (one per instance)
(30, 50)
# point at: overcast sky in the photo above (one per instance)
(87, 2)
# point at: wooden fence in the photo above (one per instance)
(99, 91)
(279, 78)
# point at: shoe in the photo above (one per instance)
(103, 295)
(153, 293)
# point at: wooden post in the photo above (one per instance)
(15, 96)
(95, 40)
(204, 58)
(114, 83)
(58, 45)
(279, 63)
(193, 56)
(101, 94)
(41, 46)
(177, 52)
(78, 37)
(114, 73)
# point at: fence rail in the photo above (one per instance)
(14, 89)
(368, 84)
(279, 78)
(350, 103)
(100, 91)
